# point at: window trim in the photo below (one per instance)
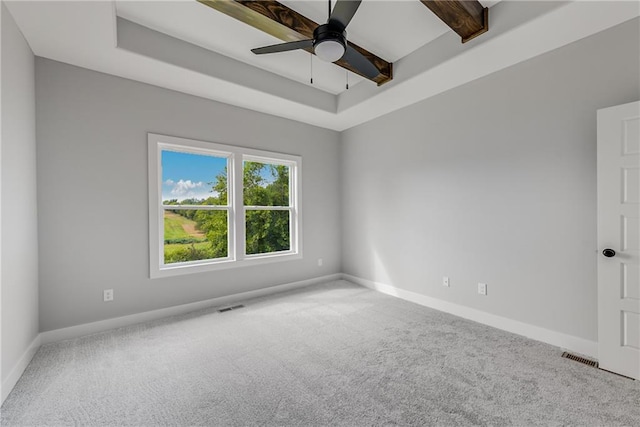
(235, 205)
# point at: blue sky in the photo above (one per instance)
(186, 175)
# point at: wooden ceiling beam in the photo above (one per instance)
(288, 25)
(468, 18)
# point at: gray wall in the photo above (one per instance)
(495, 182)
(19, 241)
(93, 201)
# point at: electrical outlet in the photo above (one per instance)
(445, 281)
(482, 288)
(107, 295)
(319, 262)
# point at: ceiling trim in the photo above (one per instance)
(282, 22)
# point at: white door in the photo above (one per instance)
(619, 239)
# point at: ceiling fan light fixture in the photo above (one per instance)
(329, 50)
(329, 41)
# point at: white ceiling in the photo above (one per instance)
(208, 53)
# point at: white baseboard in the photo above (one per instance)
(118, 322)
(18, 369)
(558, 339)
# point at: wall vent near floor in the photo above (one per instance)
(588, 362)
(235, 307)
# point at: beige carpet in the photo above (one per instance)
(335, 354)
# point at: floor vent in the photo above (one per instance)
(588, 362)
(235, 307)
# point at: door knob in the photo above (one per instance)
(609, 253)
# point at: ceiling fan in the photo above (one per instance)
(329, 41)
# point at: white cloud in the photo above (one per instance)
(183, 188)
(186, 189)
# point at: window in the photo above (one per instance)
(215, 206)
(267, 206)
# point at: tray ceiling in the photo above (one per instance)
(390, 29)
(188, 47)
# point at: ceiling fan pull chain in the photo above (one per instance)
(311, 63)
(347, 74)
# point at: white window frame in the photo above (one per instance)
(236, 156)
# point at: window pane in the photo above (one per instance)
(266, 184)
(193, 179)
(194, 235)
(267, 231)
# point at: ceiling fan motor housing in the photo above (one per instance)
(329, 42)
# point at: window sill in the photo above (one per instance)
(182, 269)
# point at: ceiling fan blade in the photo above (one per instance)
(283, 47)
(360, 62)
(343, 12)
